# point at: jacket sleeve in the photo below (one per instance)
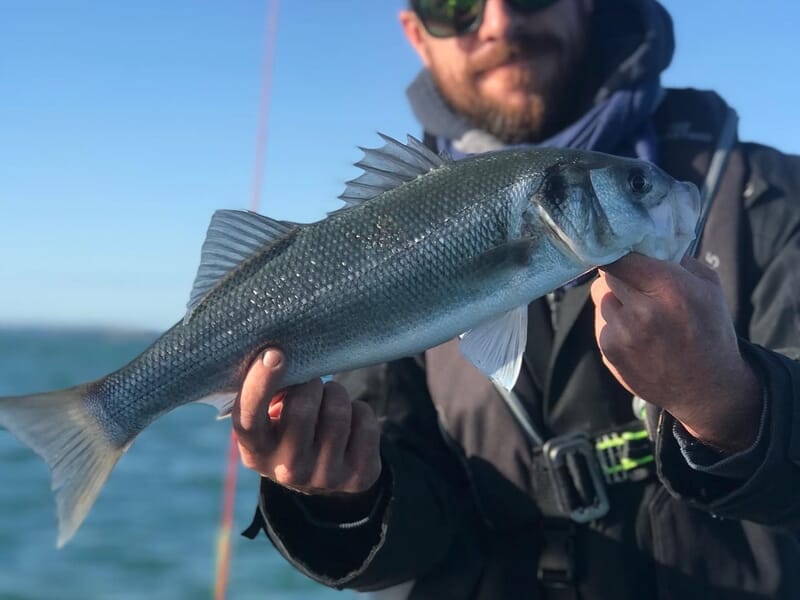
(760, 484)
(373, 542)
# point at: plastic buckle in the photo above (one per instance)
(576, 448)
(624, 456)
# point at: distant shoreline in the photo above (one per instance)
(109, 330)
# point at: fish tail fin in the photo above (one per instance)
(59, 427)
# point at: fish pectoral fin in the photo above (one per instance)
(389, 167)
(233, 236)
(223, 402)
(496, 346)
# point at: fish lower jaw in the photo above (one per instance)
(663, 249)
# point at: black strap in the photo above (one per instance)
(557, 568)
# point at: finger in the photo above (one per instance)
(363, 447)
(250, 411)
(609, 309)
(608, 324)
(333, 426)
(598, 291)
(599, 288)
(699, 268)
(363, 450)
(601, 291)
(299, 415)
(642, 273)
(623, 292)
(276, 406)
(330, 440)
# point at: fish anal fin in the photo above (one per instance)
(222, 401)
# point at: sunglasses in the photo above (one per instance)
(448, 18)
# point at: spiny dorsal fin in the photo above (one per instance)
(233, 236)
(389, 167)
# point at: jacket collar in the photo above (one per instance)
(632, 42)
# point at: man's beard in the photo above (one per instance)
(548, 105)
(511, 125)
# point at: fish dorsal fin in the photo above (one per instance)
(232, 237)
(389, 167)
(496, 346)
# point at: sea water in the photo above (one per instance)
(153, 531)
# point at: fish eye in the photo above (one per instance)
(638, 182)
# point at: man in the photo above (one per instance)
(471, 493)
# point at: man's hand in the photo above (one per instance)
(311, 438)
(666, 334)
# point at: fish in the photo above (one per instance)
(424, 250)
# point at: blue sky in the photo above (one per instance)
(123, 126)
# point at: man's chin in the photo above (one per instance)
(524, 104)
(510, 122)
(511, 112)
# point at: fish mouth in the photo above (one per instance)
(686, 215)
(686, 189)
(687, 224)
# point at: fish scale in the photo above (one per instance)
(426, 249)
(289, 314)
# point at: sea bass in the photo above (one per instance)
(425, 249)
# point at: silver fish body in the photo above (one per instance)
(429, 249)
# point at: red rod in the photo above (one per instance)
(224, 540)
(266, 94)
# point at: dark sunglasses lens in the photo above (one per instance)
(530, 5)
(445, 18)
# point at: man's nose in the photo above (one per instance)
(497, 19)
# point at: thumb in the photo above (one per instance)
(261, 383)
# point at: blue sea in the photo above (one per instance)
(153, 531)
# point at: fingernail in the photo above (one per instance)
(272, 359)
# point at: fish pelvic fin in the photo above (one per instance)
(496, 346)
(60, 429)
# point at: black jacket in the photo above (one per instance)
(455, 508)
